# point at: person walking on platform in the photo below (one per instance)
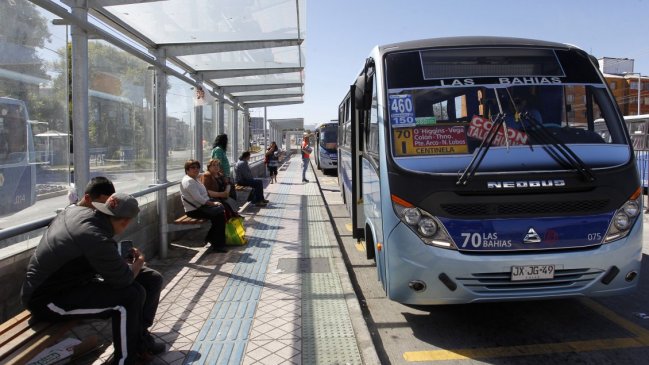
(245, 178)
(272, 161)
(306, 153)
(197, 204)
(76, 272)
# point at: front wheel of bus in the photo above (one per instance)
(369, 245)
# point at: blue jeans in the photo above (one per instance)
(305, 166)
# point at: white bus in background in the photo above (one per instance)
(326, 149)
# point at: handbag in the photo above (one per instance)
(235, 233)
(220, 208)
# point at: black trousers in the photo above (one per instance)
(151, 281)
(98, 300)
(132, 309)
(257, 189)
(216, 234)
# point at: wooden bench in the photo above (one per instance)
(185, 222)
(22, 338)
(243, 193)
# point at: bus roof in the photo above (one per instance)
(474, 41)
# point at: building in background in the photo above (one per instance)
(257, 130)
(623, 82)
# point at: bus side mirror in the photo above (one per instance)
(363, 93)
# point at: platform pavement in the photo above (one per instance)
(285, 298)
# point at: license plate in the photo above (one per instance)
(532, 272)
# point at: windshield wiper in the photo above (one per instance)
(560, 151)
(481, 151)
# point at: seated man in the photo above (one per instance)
(245, 178)
(76, 272)
(98, 190)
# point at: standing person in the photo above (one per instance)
(98, 190)
(219, 149)
(62, 276)
(197, 204)
(217, 188)
(306, 153)
(272, 161)
(245, 178)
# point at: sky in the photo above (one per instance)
(341, 33)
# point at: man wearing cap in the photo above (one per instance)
(76, 271)
(98, 190)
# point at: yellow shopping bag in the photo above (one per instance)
(235, 233)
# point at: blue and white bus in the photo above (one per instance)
(472, 168)
(17, 170)
(326, 151)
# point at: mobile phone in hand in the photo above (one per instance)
(125, 249)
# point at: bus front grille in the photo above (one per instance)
(518, 208)
(500, 282)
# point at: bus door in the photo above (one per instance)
(358, 218)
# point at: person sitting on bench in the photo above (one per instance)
(197, 204)
(76, 272)
(245, 178)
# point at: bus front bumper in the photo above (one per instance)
(421, 274)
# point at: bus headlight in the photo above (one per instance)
(428, 228)
(621, 221)
(624, 218)
(631, 208)
(411, 215)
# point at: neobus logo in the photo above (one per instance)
(522, 184)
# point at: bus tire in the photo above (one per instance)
(369, 244)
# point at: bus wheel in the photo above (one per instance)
(369, 245)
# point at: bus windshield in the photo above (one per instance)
(13, 133)
(508, 99)
(328, 138)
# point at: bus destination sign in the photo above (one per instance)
(430, 140)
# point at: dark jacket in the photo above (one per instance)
(77, 248)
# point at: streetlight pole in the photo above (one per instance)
(639, 86)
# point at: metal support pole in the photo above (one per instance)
(160, 104)
(80, 136)
(221, 126)
(215, 123)
(198, 130)
(235, 135)
(266, 136)
(639, 90)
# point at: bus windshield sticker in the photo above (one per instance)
(479, 128)
(430, 140)
(402, 110)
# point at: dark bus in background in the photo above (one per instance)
(326, 151)
(17, 170)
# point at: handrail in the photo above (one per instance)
(44, 222)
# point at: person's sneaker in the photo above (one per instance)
(261, 204)
(305, 180)
(266, 201)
